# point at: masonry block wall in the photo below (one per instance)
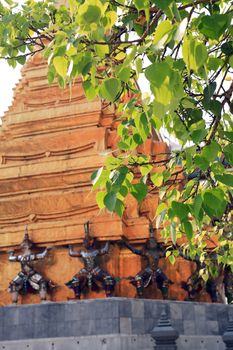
(115, 320)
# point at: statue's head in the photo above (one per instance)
(151, 243)
(88, 241)
(26, 243)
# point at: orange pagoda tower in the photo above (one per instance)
(50, 143)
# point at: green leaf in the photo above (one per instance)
(217, 168)
(227, 48)
(110, 89)
(110, 201)
(139, 191)
(166, 175)
(100, 199)
(99, 178)
(163, 29)
(123, 191)
(90, 12)
(189, 152)
(213, 26)
(72, 5)
(119, 177)
(162, 4)
(138, 66)
(197, 205)
(89, 90)
(166, 85)
(161, 207)
(214, 203)
(51, 75)
(210, 152)
(112, 162)
(231, 61)
(119, 207)
(140, 4)
(180, 210)
(201, 162)
(82, 64)
(229, 135)
(209, 91)
(145, 169)
(188, 229)
(172, 259)
(214, 63)
(141, 124)
(60, 64)
(160, 218)
(21, 59)
(215, 107)
(194, 54)
(198, 135)
(228, 152)
(102, 50)
(226, 179)
(157, 179)
(124, 74)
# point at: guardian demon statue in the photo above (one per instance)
(28, 279)
(151, 252)
(91, 275)
(195, 283)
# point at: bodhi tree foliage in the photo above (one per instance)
(183, 50)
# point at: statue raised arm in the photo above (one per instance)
(91, 275)
(43, 254)
(73, 253)
(12, 256)
(133, 249)
(28, 277)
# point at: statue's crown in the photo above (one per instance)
(26, 240)
(87, 231)
(151, 231)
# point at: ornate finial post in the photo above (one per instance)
(227, 336)
(151, 231)
(87, 228)
(26, 230)
(164, 334)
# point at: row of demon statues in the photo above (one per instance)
(91, 275)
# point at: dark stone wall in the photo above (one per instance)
(110, 316)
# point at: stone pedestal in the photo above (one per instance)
(164, 334)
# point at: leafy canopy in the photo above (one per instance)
(184, 50)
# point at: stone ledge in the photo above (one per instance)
(110, 316)
(103, 342)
